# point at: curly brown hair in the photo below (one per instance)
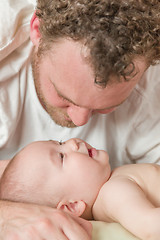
(114, 31)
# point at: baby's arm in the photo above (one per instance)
(122, 200)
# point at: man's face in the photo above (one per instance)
(52, 169)
(66, 89)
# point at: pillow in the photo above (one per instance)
(110, 231)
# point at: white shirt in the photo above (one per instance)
(130, 134)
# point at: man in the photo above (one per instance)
(85, 59)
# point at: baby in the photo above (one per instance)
(74, 177)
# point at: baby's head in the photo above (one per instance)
(66, 175)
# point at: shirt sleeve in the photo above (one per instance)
(14, 41)
(14, 24)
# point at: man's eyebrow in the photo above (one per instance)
(69, 100)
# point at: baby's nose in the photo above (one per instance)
(83, 148)
(74, 144)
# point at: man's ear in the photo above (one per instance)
(75, 207)
(34, 30)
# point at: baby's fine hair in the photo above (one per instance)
(14, 188)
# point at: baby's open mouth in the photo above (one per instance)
(90, 152)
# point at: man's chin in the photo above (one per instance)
(64, 123)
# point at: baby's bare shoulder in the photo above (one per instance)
(137, 172)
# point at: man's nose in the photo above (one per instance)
(79, 115)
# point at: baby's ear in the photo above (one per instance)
(75, 207)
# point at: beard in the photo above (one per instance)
(57, 114)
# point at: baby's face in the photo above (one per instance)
(72, 168)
